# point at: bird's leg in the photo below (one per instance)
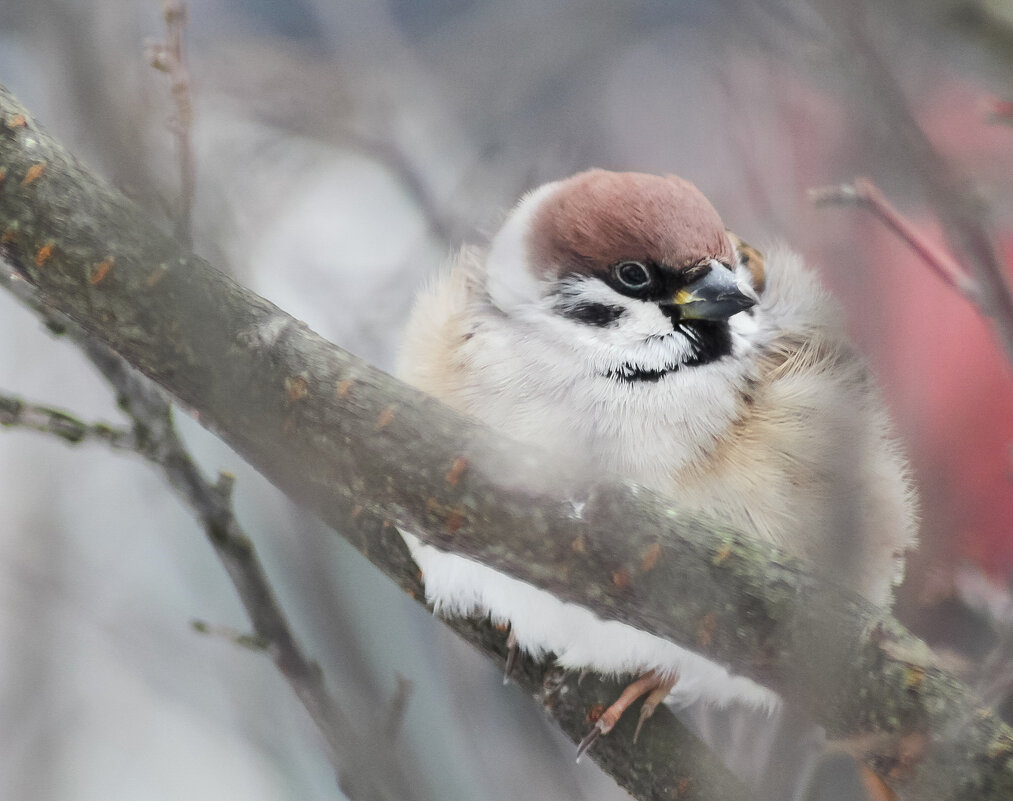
(513, 649)
(654, 684)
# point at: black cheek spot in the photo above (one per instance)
(635, 375)
(599, 315)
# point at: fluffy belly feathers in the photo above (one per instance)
(578, 638)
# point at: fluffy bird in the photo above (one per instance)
(616, 324)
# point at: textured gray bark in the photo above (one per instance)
(365, 451)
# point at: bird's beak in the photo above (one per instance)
(716, 296)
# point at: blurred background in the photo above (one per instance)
(343, 149)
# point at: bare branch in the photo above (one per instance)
(248, 640)
(313, 105)
(170, 58)
(360, 753)
(566, 698)
(360, 449)
(18, 413)
(673, 757)
(866, 194)
(956, 203)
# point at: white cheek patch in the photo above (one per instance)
(643, 337)
(646, 320)
(639, 320)
(510, 281)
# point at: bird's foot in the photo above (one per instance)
(653, 684)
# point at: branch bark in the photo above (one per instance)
(364, 451)
(361, 753)
(674, 762)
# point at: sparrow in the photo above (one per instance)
(614, 323)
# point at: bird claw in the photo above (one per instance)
(591, 738)
(654, 697)
(645, 713)
(653, 684)
(513, 650)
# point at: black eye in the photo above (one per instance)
(633, 275)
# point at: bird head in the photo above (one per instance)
(638, 268)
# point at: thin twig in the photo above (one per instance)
(170, 58)
(243, 639)
(313, 104)
(366, 770)
(18, 413)
(213, 503)
(864, 193)
(956, 203)
(361, 757)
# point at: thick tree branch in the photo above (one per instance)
(674, 761)
(360, 448)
